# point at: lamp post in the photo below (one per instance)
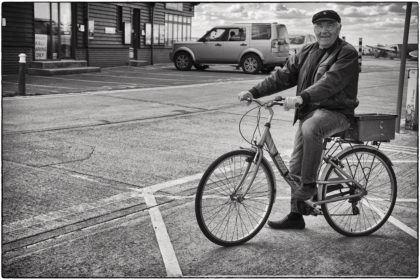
(402, 66)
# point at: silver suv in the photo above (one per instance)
(253, 46)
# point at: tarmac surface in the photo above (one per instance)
(100, 181)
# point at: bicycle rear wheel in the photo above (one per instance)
(361, 216)
(230, 218)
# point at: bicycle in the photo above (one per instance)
(357, 187)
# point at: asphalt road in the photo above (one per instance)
(102, 184)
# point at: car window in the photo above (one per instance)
(296, 39)
(218, 34)
(282, 34)
(261, 31)
(237, 34)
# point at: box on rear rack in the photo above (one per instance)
(372, 127)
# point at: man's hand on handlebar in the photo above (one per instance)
(244, 96)
(292, 102)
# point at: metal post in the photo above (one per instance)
(152, 39)
(21, 77)
(360, 54)
(86, 37)
(402, 66)
(344, 38)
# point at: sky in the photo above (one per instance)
(374, 22)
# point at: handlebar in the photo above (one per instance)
(276, 101)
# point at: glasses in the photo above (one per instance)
(328, 26)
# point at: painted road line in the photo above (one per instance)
(399, 151)
(400, 147)
(154, 188)
(80, 80)
(166, 249)
(102, 92)
(35, 85)
(403, 227)
(136, 77)
(393, 221)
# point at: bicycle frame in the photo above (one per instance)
(267, 140)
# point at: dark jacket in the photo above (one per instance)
(333, 87)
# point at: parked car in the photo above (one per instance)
(253, 46)
(296, 42)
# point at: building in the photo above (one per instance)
(102, 34)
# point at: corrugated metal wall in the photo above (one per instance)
(17, 35)
(105, 49)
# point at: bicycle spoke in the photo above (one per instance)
(361, 216)
(230, 212)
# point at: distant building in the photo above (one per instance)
(103, 34)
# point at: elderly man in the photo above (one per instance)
(326, 74)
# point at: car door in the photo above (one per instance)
(210, 49)
(233, 47)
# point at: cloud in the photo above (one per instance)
(375, 22)
(397, 8)
(280, 7)
(236, 8)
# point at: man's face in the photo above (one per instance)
(326, 33)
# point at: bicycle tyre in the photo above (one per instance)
(214, 192)
(373, 209)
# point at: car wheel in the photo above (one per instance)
(183, 61)
(251, 64)
(267, 69)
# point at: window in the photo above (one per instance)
(218, 34)
(158, 34)
(237, 34)
(261, 32)
(282, 34)
(298, 39)
(177, 28)
(53, 30)
(120, 24)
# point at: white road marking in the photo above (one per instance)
(36, 85)
(393, 221)
(87, 81)
(69, 95)
(154, 188)
(84, 177)
(166, 249)
(403, 227)
(134, 77)
(399, 151)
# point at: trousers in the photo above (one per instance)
(308, 145)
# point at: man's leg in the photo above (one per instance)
(295, 165)
(294, 219)
(321, 124)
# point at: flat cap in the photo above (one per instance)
(326, 15)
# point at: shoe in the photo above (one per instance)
(288, 223)
(305, 192)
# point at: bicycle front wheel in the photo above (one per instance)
(366, 214)
(226, 213)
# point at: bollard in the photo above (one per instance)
(21, 78)
(360, 54)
